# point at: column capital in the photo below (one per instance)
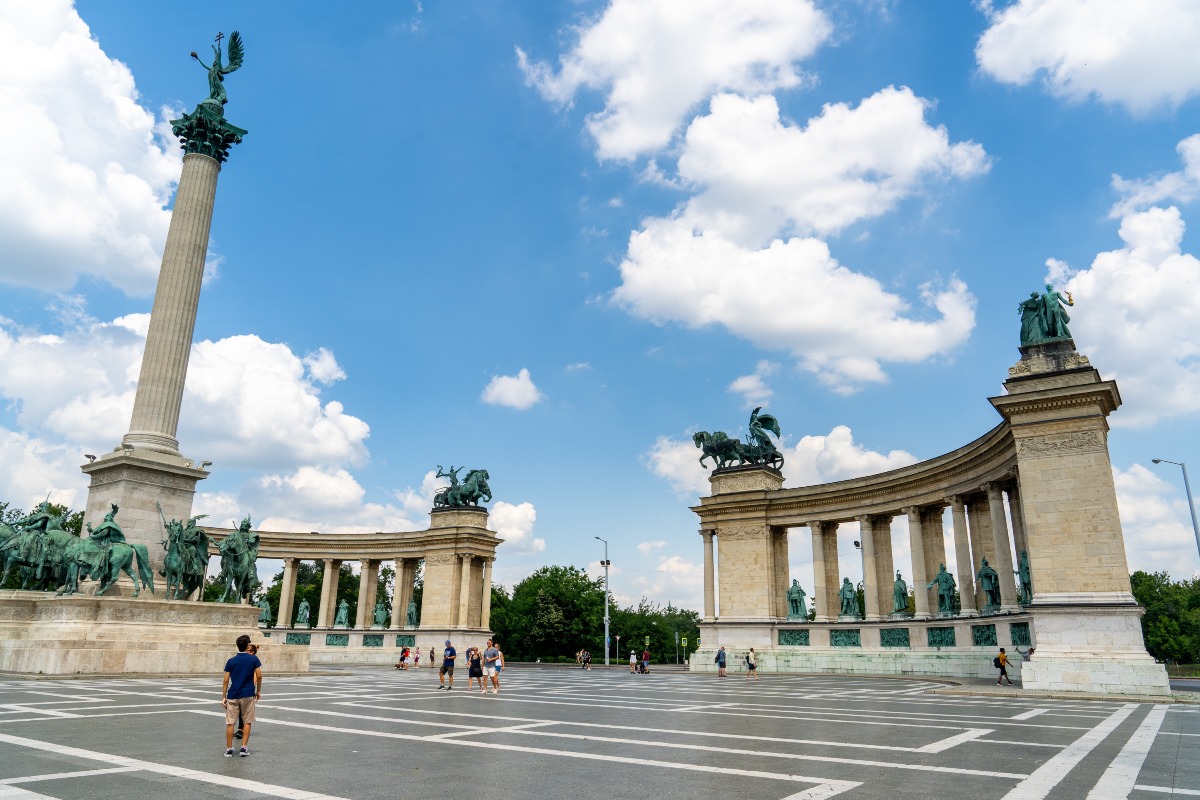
(993, 489)
(290, 560)
(708, 533)
(820, 526)
(913, 511)
(956, 501)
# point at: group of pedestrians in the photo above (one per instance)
(482, 666)
(584, 659)
(410, 658)
(639, 665)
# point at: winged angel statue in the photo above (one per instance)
(217, 72)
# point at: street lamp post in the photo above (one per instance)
(1187, 487)
(606, 563)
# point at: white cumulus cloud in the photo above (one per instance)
(514, 391)
(726, 257)
(1182, 186)
(1139, 54)
(1156, 523)
(678, 463)
(514, 524)
(836, 456)
(1137, 316)
(87, 172)
(753, 387)
(656, 59)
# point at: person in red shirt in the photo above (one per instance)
(646, 660)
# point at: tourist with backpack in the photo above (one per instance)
(721, 663)
(751, 665)
(1001, 661)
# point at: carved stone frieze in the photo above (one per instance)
(440, 558)
(743, 532)
(1054, 444)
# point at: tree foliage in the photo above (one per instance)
(1171, 624)
(557, 611)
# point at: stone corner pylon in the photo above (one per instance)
(147, 468)
(1086, 620)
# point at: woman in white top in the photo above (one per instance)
(632, 661)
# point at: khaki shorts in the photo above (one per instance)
(243, 706)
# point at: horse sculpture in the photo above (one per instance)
(186, 560)
(468, 493)
(239, 558)
(757, 449)
(84, 559)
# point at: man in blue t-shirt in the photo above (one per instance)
(240, 688)
(448, 656)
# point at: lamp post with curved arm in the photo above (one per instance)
(1187, 487)
(606, 565)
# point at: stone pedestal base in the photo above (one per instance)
(137, 480)
(41, 634)
(1094, 649)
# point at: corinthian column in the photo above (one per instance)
(1004, 559)
(710, 595)
(920, 568)
(962, 556)
(866, 535)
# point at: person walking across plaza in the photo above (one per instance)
(751, 665)
(241, 688)
(721, 663)
(252, 649)
(475, 669)
(448, 656)
(1001, 661)
(491, 665)
(633, 661)
(646, 660)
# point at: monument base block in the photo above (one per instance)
(1093, 649)
(41, 634)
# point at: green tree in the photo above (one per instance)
(552, 614)
(1171, 623)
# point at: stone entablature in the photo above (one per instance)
(990, 458)
(375, 546)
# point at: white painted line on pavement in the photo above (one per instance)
(841, 786)
(17, 793)
(1117, 781)
(84, 773)
(1048, 775)
(268, 789)
(953, 741)
(1141, 787)
(1030, 714)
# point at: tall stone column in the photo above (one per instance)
(920, 571)
(983, 545)
(885, 571)
(485, 611)
(400, 596)
(866, 536)
(1088, 634)
(329, 587)
(362, 616)
(1018, 516)
(147, 469)
(933, 536)
(962, 556)
(710, 599)
(779, 554)
(464, 591)
(826, 571)
(1004, 559)
(287, 592)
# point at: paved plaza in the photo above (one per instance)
(567, 733)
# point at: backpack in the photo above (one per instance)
(996, 662)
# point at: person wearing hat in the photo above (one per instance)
(448, 656)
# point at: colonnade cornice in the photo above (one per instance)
(1103, 395)
(964, 472)
(382, 546)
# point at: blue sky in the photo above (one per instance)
(553, 240)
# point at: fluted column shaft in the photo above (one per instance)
(399, 600)
(159, 394)
(962, 555)
(920, 571)
(1018, 517)
(329, 587)
(866, 536)
(485, 611)
(362, 616)
(710, 574)
(826, 572)
(464, 591)
(1004, 559)
(287, 592)
(885, 572)
(934, 538)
